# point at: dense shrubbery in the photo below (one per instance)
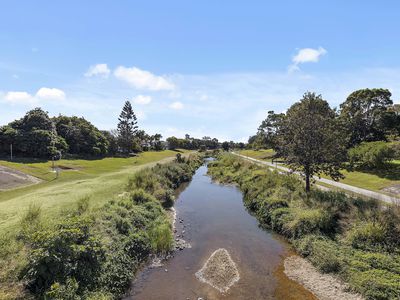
(372, 155)
(95, 254)
(355, 238)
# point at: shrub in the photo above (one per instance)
(68, 250)
(160, 235)
(372, 155)
(366, 235)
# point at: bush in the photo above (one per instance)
(372, 155)
(366, 235)
(161, 237)
(68, 250)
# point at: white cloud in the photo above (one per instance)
(142, 79)
(142, 99)
(50, 94)
(176, 105)
(18, 97)
(306, 55)
(98, 70)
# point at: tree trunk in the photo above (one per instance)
(307, 173)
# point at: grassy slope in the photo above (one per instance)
(370, 181)
(100, 179)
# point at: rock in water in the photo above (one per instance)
(219, 271)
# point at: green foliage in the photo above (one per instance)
(372, 155)
(354, 238)
(127, 128)
(82, 137)
(310, 139)
(68, 250)
(363, 114)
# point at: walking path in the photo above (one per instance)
(350, 188)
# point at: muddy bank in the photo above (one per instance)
(324, 286)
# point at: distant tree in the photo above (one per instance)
(267, 131)
(310, 140)
(112, 138)
(173, 143)
(363, 114)
(157, 143)
(127, 128)
(225, 146)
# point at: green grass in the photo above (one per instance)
(374, 180)
(264, 154)
(99, 179)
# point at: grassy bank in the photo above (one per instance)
(374, 180)
(97, 179)
(93, 252)
(353, 238)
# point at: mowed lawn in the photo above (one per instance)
(374, 181)
(98, 179)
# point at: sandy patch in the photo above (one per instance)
(219, 271)
(324, 286)
(10, 178)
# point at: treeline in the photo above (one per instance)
(313, 138)
(38, 135)
(206, 143)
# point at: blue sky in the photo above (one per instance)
(199, 67)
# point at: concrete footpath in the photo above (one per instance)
(346, 187)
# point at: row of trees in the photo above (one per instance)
(313, 138)
(38, 135)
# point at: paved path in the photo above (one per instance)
(349, 188)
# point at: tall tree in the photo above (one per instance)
(309, 139)
(267, 131)
(363, 114)
(127, 128)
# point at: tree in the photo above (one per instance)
(363, 114)
(173, 143)
(309, 139)
(82, 137)
(225, 146)
(127, 128)
(267, 131)
(156, 142)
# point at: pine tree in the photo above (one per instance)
(127, 128)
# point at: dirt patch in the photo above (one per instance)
(219, 271)
(394, 189)
(324, 286)
(10, 178)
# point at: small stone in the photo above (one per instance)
(166, 270)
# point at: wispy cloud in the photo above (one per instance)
(143, 80)
(306, 55)
(98, 70)
(176, 105)
(141, 99)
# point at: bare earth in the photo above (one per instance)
(10, 178)
(394, 189)
(323, 286)
(219, 271)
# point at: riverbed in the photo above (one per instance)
(211, 217)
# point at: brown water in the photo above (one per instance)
(214, 217)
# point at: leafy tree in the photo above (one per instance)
(82, 137)
(112, 141)
(225, 146)
(372, 155)
(173, 143)
(156, 142)
(363, 114)
(127, 128)
(267, 131)
(309, 139)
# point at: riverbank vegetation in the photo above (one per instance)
(93, 253)
(354, 238)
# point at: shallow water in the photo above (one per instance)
(214, 217)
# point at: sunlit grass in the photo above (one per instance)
(99, 179)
